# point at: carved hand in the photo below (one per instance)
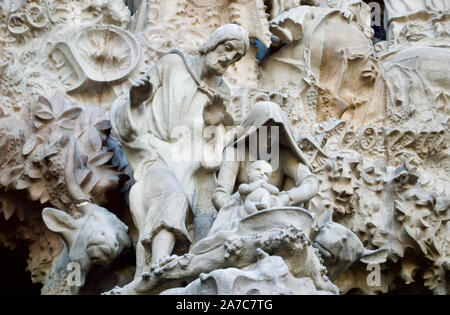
(218, 99)
(219, 199)
(271, 188)
(256, 184)
(262, 205)
(283, 199)
(140, 91)
(244, 189)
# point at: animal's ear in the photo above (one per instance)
(377, 256)
(324, 219)
(58, 221)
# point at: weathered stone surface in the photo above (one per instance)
(270, 144)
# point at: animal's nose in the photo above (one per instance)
(98, 235)
(101, 237)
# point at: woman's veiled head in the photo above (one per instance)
(269, 114)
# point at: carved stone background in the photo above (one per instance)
(371, 116)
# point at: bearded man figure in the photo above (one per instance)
(180, 96)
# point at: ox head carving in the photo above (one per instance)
(97, 237)
(341, 248)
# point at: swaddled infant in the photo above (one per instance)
(258, 193)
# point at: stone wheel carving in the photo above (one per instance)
(106, 53)
(96, 53)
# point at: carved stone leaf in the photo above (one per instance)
(67, 124)
(415, 233)
(38, 191)
(101, 158)
(8, 210)
(86, 179)
(37, 124)
(398, 248)
(71, 113)
(103, 125)
(402, 212)
(409, 269)
(44, 115)
(29, 145)
(81, 174)
(44, 103)
(434, 277)
(22, 184)
(34, 173)
(95, 140)
(11, 177)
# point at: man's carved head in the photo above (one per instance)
(227, 45)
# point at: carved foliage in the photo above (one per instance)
(59, 156)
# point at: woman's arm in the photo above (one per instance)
(271, 188)
(306, 183)
(226, 179)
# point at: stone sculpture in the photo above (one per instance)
(352, 87)
(240, 228)
(95, 238)
(150, 125)
(291, 172)
(257, 194)
(341, 248)
(270, 275)
(59, 156)
(150, 136)
(281, 232)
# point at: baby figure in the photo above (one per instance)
(257, 194)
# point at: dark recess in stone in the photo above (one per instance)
(14, 279)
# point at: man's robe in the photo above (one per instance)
(155, 137)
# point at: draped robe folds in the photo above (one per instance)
(163, 194)
(297, 28)
(406, 8)
(337, 63)
(293, 173)
(401, 12)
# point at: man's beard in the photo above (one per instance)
(219, 69)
